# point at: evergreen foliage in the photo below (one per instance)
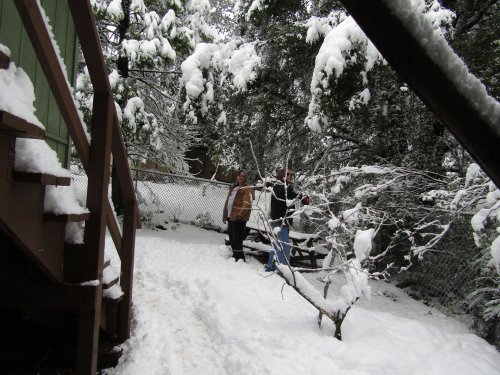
(143, 42)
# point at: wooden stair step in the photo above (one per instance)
(4, 61)
(48, 296)
(73, 258)
(68, 218)
(41, 178)
(112, 301)
(109, 316)
(18, 127)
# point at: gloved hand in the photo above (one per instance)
(305, 200)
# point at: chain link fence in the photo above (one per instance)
(449, 278)
(447, 273)
(165, 198)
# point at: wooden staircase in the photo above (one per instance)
(39, 273)
(54, 317)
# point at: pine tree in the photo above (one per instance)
(143, 42)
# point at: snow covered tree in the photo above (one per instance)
(316, 65)
(365, 112)
(143, 42)
(379, 221)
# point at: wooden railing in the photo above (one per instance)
(95, 157)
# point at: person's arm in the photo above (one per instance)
(279, 192)
(290, 193)
(224, 212)
(252, 195)
(248, 198)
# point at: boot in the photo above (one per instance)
(238, 254)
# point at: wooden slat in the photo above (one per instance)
(114, 229)
(68, 218)
(121, 161)
(95, 229)
(18, 127)
(89, 40)
(4, 61)
(84, 21)
(46, 296)
(41, 178)
(107, 263)
(111, 283)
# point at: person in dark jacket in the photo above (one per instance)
(237, 209)
(283, 193)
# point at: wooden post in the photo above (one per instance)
(127, 258)
(95, 230)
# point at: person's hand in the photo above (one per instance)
(305, 200)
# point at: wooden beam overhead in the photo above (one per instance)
(429, 81)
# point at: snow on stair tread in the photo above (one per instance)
(61, 200)
(18, 127)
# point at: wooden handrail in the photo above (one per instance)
(87, 34)
(95, 160)
(84, 20)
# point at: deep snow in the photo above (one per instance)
(196, 311)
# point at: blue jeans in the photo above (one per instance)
(281, 248)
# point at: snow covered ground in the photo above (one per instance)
(196, 311)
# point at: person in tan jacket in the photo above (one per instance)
(237, 209)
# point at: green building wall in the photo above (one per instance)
(13, 35)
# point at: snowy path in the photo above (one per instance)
(198, 312)
(186, 337)
(169, 336)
